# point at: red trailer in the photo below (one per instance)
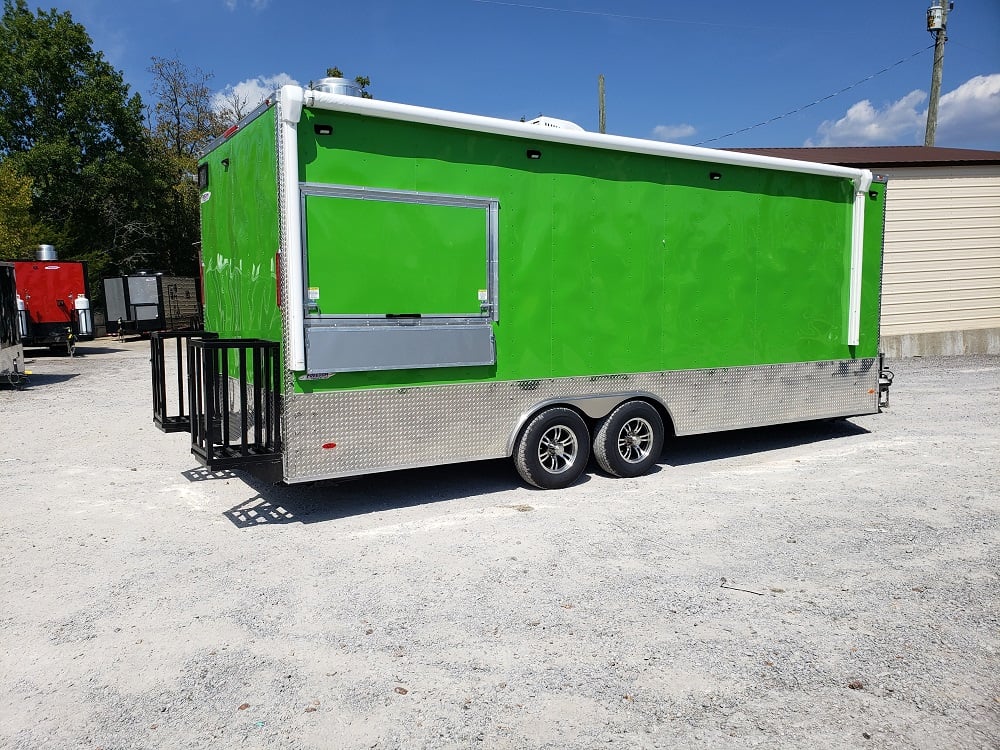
(52, 299)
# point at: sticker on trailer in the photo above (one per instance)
(313, 293)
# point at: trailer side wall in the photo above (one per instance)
(616, 262)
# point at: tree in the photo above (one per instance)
(363, 81)
(184, 119)
(69, 124)
(184, 123)
(15, 212)
(234, 108)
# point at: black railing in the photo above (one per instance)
(233, 392)
(170, 391)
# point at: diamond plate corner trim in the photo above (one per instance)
(287, 377)
(385, 429)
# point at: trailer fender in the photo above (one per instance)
(589, 407)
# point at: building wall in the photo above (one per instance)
(941, 285)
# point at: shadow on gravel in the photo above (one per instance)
(59, 352)
(84, 349)
(332, 499)
(31, 353)
(696, 449)
(40, 379)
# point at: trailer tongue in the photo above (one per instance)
(450, 287)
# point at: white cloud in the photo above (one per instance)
(968, 116)
(864, 125)
(251, 92)
(673, 132)
(254, 4)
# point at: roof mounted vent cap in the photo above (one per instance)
(337, 86)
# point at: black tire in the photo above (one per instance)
(629, 440)
(553, 449)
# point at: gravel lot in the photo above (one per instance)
(818, 585)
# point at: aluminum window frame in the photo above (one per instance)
(491, 208)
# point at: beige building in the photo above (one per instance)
(941, 285)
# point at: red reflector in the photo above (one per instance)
(230, 131)
(328, 446)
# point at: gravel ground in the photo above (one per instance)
(818, 585)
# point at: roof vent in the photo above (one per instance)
(552, 122)
(337, 86)
(46, 252)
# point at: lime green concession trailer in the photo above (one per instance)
(390, 286)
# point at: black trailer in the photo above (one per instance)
(11, 350)
(147, 302)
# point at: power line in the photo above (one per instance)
(984, 53)
(622, 16)
(607, 14)
(818, 101)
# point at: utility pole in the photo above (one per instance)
(937, 24)
(601, 123)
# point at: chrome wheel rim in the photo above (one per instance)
(558, 449)
(635, 440)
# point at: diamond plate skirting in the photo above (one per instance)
(385, 429)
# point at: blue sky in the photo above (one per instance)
(687, 73)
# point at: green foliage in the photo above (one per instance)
(69, 123)
(80, 169)
(363, 81)
(15, 212)
(184, 120)
(54, 80)
(184, 123)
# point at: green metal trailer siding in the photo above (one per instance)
(630, 263)
(240, 232)
(583, 263)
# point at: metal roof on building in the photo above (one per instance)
(882, 156)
